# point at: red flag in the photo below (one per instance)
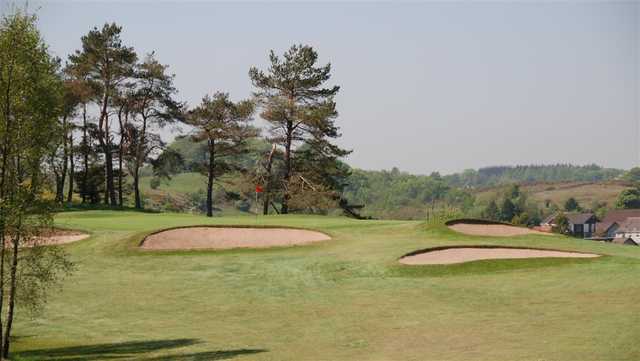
(258, 189)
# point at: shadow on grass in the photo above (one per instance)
(129, 350)
(207, 355)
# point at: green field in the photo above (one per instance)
(344, 299)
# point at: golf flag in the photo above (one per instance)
(258, 189)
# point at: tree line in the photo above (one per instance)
(117, 102)
(501, 175)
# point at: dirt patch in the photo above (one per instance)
(467, 254)
(498, 230)
(229, 237)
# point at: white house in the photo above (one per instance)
(628, 232)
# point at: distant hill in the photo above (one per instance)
(586, 193)
(499, 175)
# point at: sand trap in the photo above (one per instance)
(499, 230)
(468, 254)
(51, 237)
(62, 237)
(229, 237)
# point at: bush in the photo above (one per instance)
(154, 183)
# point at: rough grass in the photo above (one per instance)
(344, 299)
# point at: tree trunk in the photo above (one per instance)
(71, 170)
(136, 189)
(85, 151)
(105, 142)
(287, 168)
(139, 160)
(12, 296)
(110, 184)
(121, 155)
(210, 178)
(65, 156)
(3, 192)
(120, 173)
(267, 185)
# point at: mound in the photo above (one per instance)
(482, 228)
(229, 237)
(452, 255)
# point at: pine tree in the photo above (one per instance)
(491, 212)
(299, 107)
(106, 63)
(154, 103)
(225, 126)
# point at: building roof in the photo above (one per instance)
(603, 227)
(579, 218)
(632, 224)
(620, 215)
(550, 218)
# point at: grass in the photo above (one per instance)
(344, 299)
(179, 184)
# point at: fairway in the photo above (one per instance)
(347, 298)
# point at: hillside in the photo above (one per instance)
(586, 193)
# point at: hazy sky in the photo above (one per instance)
(425, 86)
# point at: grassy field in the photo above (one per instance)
(344, 299)
(584, 192)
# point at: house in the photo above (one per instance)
(580, 224)
(629, 232)
(611, 222)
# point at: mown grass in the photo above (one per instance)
(344, 299)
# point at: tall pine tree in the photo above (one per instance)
(299, 106)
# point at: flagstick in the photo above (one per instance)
(257, 207)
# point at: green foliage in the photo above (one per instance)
(561, 224)
(396, 194)
(571, 205)
(629, 198)
(507, 210)
(491, 212)
(632, 175)
(493, 176)
(154, 182)
(30, 103)
(300, 110)
(440, 213)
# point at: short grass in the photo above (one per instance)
(344, 299)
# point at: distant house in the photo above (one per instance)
(613, 220)
(628, 232)
(580, 224)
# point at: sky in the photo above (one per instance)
(425, 86)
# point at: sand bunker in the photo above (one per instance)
(229, 237)
(61, 236)
(499, 230)
(468, 254)
(52, 237)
